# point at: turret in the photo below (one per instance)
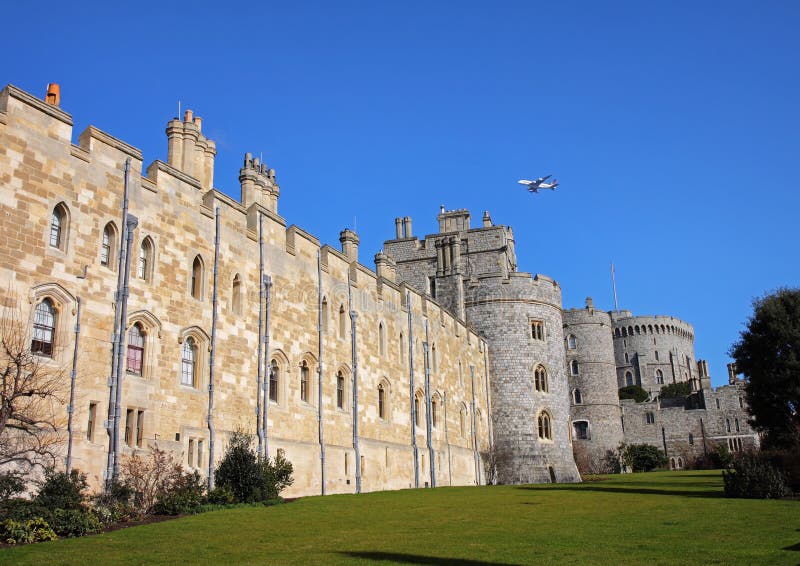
(189, 151)
(349, 241)
(258, 184)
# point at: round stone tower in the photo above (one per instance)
(596, 416)
(520, 317)
(653, 351)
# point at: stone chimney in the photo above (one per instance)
(53, 95)
(487, 220)
(258, 184)
(407, 226)
(189, 151)
(732, 372)
(349, 240)
(398, 228)
(385, 268)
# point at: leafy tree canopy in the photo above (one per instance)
(675, 390)
(635, 392)
(768, 354)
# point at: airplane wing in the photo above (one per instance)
(542, 179)
(525, 182)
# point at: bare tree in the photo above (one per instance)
(33, 392)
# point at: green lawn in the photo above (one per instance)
(655, 518)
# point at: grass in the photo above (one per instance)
(655, 518)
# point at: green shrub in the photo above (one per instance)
(24, 532)
(676, 390)
(754, 477)
(75, 522)
(62, 491)
(113, 505)
(184, 496)
(247, 476)
(635, 392)
(642, 457)
(22, 510)
(221, 496)
(11, 484)
(721, 457)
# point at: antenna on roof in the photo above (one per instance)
(179, 109)
(614, 285)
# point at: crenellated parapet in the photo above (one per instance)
(259, 185)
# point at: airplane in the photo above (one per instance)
(534, 186)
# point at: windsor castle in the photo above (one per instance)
(428, 369)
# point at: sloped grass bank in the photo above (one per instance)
(654, 518)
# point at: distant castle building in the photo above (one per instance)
(407, 375)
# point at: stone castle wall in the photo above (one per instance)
(40, 167)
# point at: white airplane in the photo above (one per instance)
(534, 186)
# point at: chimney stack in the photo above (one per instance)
(349, 240)
(53, 95)
(487, 220)
(407, 226)
(189, 151)
(398, 228)
(385, 267)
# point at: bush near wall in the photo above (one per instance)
(754, 477)
(635, 392)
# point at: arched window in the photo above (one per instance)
(340, 390)
(144, 265)
(197, 278)
(382, 339)
(460, 374)
(402, 348)
(107, 244)
(135, 349)
(341, 321)
(572, 342)
(418, 409)
(650, 418)
(59, 227)
(44, 329)
(382, 401)
(656, 355)
(236, 295)
(545, 431)
(736, 424)
(581, 430)
(577, 397)
(574, 368)
(627, 358)
(435, 411)
(188, 362)
(659, 376)
(434, 361)
(628, 378)
(274, 375)
(540, 379)
(691, 439)
(304, 381)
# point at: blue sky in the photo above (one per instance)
(672, 126)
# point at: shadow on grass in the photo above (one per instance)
(417, 559)
(707, 493)
(794, 547)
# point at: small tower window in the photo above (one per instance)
(577, 397)
(44, 328)
(540, 379)
(659, 376)
(273, 381)
(574, 368)
(197, 278)
(545, 432)
(304, 381)
(382, 401)
(581, 429)
(572, 343)
(236, 295)
(537, 329)
(144, 266)
(650, 418)
(339, 390)
(107, 245)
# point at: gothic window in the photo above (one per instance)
(434, 361)
(628, 378)
(540, 379)
(435, 412)
(650, 418)
(236, 295)
(537, 329)
(144, 264)
(572, 343)
(382, 401)
(659, 376)
(91, 421)
(135, 355)
(574, 368)
(716, 403)
(197, 278)
(402, 348)
(627, 358)
(418, 409)
(544, 427)
(339, 390)
(324, 314)
(691, 439)
(656, 355)
(189, 362)
(382, 340)
(736, 424)
(44, 329)
(304, 381)
(107, 244)
(274, 376)
(341, 321)
(59, 227)
(581, 429)
(577, 397)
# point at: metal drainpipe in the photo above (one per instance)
(411, 389)
(354, 359)
(664, 440)
(260, 355)
(447, 441)
(703, 432)
(72, 378)
(131, 224)
(475, 428)
(489, 412)
(210, 419)
(112, 383)
(319, 374)
(266, 384)
(428, 416)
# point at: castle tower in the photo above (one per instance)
(189, 151)
(594, 403)
(653, 351)
(473, 273)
